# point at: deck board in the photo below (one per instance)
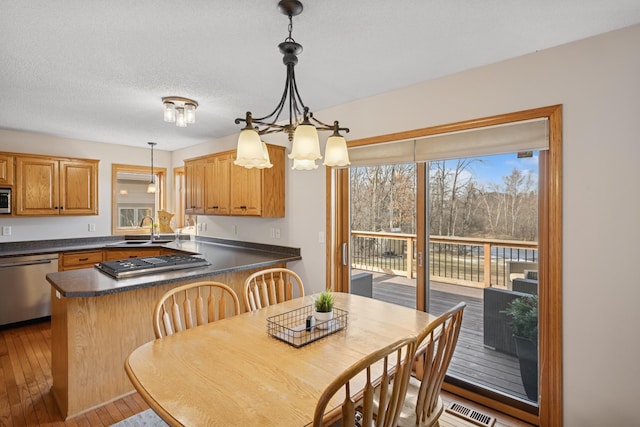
(471, 360)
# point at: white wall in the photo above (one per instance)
(598, 82)
(43, 228)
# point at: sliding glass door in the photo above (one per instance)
(428, 234)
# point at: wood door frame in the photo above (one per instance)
(550, 403)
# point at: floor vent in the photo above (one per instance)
(477, 418)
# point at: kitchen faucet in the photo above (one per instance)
(153, 226)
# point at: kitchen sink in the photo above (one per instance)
(140, 242)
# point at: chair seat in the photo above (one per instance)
(407, 416)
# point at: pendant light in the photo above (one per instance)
(151, 188)
(302, 128)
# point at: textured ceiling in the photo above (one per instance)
(97, 71)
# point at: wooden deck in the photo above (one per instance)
(471, 360)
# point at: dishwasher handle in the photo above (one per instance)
(23, 263)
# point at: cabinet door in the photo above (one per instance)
(6, 170)
(194, 187)
(118, 254)
(37, 186)
(246, 191)
(217, 180)
(78, 187)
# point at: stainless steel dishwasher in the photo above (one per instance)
(25, 293)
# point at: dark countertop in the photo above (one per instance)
(224, 256)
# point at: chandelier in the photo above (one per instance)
(302, 127)
(178, 110)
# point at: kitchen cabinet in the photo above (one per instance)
(79, 259)
(194, 186)
(6, 170)
(118, 254)
(250, 192)
(55, 186)
(217, 188)
(259, 192)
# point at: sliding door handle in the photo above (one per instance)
(344, 254)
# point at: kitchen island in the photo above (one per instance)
(97, 321)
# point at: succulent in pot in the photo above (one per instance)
(323, 305)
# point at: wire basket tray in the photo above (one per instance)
(293, 328)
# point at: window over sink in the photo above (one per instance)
(130, 201)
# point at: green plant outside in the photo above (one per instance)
(523, 312)
(324, 302)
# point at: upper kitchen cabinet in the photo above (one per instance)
(6, 169)
(56, 186)
(223, 188)
(259, 192)
(217, 171)
(194, 186)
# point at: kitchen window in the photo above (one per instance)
(130, 200)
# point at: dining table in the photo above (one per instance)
(238, 372)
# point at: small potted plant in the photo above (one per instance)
(324, 309)
(523, 312)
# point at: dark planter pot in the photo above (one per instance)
(527, 351)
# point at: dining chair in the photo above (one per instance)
(435, 346)
(271, 286)
(383, 373)
(185, 307)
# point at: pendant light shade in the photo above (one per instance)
(336, 153)
(252, 151)
(304, 165)
(306, 145)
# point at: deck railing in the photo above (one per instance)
(454, 260)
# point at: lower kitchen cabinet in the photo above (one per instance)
(78, 260)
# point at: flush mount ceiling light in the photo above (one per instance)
(151, 188)
(178, 110)
(301, 130)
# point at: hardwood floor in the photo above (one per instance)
(26, 400)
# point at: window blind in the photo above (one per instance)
(529, 135)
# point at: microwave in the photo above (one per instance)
(5, 200)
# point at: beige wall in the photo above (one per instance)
(598, 82)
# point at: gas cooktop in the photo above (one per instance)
(150, 265)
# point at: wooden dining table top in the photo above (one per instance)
(232, 373)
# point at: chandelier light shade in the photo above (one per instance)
(304, 165)
(252, 151)
(151, 188)
(179, 110)
(302, 127)
(336, 153)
